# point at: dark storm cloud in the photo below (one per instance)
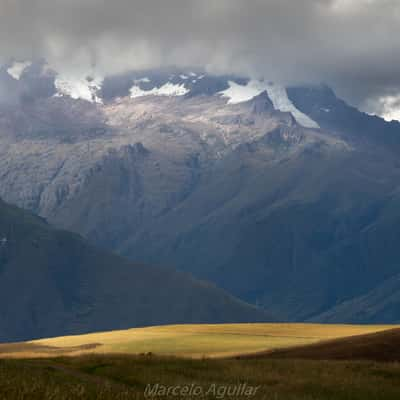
(352, 44)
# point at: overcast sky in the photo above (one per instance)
(353, 45)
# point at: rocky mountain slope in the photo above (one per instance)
(285, 197)
(53, 282)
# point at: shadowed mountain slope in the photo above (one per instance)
(53, 282)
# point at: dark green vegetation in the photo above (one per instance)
(123, 377)
(54, 283)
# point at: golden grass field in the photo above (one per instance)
(192, 341)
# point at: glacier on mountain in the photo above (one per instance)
(237, 93)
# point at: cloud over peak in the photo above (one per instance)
(352, 44)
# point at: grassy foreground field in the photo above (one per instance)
(50, 375)
(195, 341)
(100, 377)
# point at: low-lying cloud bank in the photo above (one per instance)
(350, 44)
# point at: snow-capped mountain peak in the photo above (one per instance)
(170, 82)
(237, 93)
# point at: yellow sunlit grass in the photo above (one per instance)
(190, 340)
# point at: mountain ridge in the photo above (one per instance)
(238, 193)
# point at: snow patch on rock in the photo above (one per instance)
(239, 93)
(18, 68)
(168, 89)
(145, 80)
(281, 101)
(78, 88)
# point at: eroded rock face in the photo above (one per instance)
(54, 149)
